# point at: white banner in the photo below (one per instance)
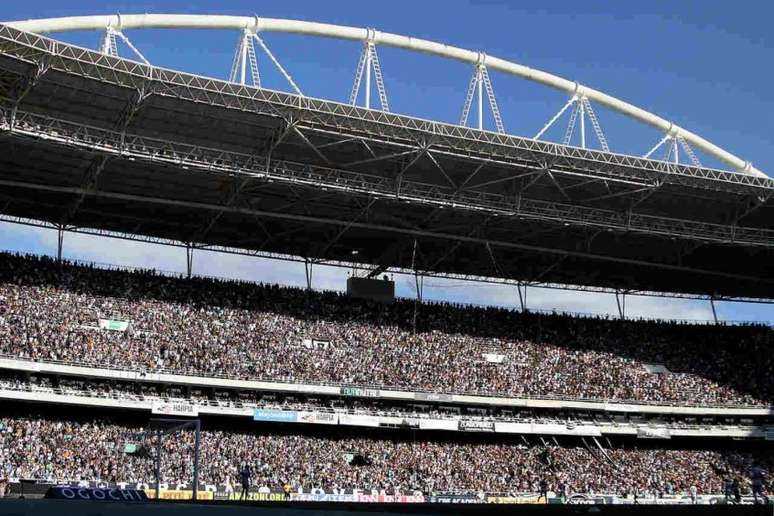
(399, 421)
(504, 427)
(494, 358)
(352, 420)
(438, 424)
(320, 418)
(547, 428)
(653, 433)
(174, 408)
(315, 344)
(112, 324)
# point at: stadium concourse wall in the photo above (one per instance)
(187, 408)
(379, 392)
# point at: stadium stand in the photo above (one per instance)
(144, 397)
(318, 393)
(141, 320)
(68, 449)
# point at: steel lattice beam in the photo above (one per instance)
(366, 123)
(415, 233)
(212, 160)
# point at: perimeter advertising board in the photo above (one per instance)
(252, 496)
(455, 498)
(516, 499)
(179, 494)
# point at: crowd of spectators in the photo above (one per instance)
(51, 311)
(71, 451)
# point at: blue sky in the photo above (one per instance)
(699, 63)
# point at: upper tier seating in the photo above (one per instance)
(237, 329)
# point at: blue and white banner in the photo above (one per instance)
(277, 416)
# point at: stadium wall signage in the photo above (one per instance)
(357, 420)
(439, 424)
(477, 426)
(429, 396)
(277, 416)
(179, 494)
(653, 433)
(456, 498)
(530, 499)
(388, 498)
(83, 489)
(360, 392)
(319, 418)
(175, 409)
(107, 494)
(252, 496)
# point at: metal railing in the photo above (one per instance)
(191, 374)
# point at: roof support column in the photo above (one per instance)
(419, 284)
(59, 242)
(308, 264)
(714, 312)
(620, 300)
(189, 252)
(522, 296)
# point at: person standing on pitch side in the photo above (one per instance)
(737, 490)
(728, 488)
(758, 479)
(562, 490)
(543, 490)
(245, 477)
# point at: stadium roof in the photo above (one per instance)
(89, 140)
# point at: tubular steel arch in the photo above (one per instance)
(255, 24)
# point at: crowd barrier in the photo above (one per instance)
(380, 392)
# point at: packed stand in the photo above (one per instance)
(245, 330)
(67, 451)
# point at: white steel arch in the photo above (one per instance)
(256, 24)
